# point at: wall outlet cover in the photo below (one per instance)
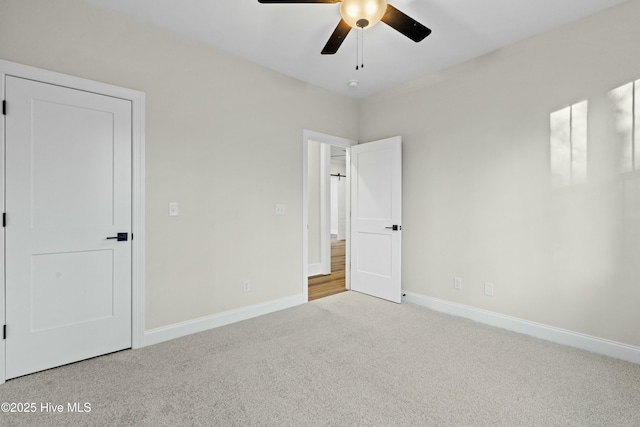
(488, 289)
(173, 209)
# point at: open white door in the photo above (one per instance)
(376, 218)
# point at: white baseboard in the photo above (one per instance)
(166, 333)
(314, 269)
(550, 333)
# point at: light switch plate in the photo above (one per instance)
(173, 209)
(280, 209)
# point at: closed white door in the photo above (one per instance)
(376, 218)
(68, 189)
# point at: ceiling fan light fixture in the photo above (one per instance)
(362, 13)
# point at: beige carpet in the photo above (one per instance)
(344, 360)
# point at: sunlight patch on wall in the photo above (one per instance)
(626, 103)
(568, 144)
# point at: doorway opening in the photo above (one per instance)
(332, 277)
(326, 201)
(373, 211)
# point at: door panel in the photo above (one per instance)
(81, 195)
(62, 277)
(68, 188)
(374, 186)
(376, 192)
(374, 254)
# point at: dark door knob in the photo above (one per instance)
(121, 237)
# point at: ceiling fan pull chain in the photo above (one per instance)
(357, 45)
(362, 50)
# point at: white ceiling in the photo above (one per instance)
(289, 37)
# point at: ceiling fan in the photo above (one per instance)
(362, 14)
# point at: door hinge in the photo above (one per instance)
(4, 332)
(4, 219)
(4, 107)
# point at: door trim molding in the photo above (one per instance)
(310, 135)
(137, 99)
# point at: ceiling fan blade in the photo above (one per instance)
(405, 24)
(336, 39)
(299, 1)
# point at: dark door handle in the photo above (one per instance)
(395, 227)
(121, 237)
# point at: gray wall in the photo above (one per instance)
(478, 201)
(223, 138)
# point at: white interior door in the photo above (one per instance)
(376, 218)
(68, 189)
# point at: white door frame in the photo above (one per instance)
(137, 99)
(309, 135)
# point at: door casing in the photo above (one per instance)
(137, 99)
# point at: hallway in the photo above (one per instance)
(324, 285)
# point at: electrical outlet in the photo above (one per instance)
(457, 283)
(173, 209)
(488, 289)
(246, 285)
(280, 209)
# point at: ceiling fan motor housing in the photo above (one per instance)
(362, 13)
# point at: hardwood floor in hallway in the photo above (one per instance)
(324, 285)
